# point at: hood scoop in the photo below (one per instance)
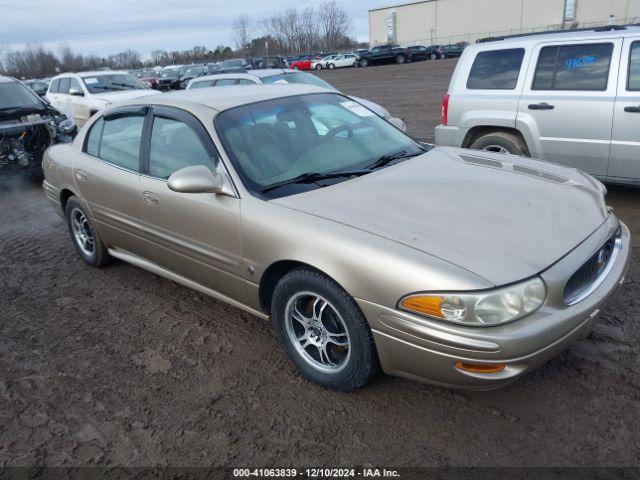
(533, 172)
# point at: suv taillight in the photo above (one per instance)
(445, 109)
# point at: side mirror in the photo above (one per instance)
(199, 179)
(75, 92)
(398, 123)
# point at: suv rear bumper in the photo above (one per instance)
(448, 136)
(426, 350)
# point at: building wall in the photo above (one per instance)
(450, 21)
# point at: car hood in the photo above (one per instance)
(502, 217)
(123, 95)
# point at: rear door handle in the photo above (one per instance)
(80, 175)
(632, 109)
(541, 106)
(150, 198)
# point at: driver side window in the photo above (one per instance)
(174, 145)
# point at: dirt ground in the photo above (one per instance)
(120, 367)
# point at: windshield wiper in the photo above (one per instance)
(312, 177)
(387, 159)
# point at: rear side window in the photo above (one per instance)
(64, 85)
(496, 70)
(54, 86)
(573, 67)
(634, 68)
(244, 81)
(225, 82)
(120, 142)
(93, 139)
(203, 84)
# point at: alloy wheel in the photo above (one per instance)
(82, 232)
(317, 332)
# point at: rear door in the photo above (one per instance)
(108, 176)
(624, 159)
(196, 235)
(567, 103)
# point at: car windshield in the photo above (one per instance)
(16, 97)
(233, 63)
(298, 77)
(169, 74)
(112, 83)
(276, 141)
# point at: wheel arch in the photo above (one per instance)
(65, 195)
(274, 273)
(476, 132)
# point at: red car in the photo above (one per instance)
(301, 65)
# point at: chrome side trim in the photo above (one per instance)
(163, 272)
(617, 246)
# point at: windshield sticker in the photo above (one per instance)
(355, 107)
(579, 62)
(91, 80)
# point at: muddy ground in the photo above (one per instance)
(120, 367)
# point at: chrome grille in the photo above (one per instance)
(591, 273)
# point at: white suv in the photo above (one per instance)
(80, 95)
(572, 98)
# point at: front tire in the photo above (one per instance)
(323, 331)
(318, 67)
(84, 235)
(364, 62)
(400, 59)
(331, 66)
(501, 142)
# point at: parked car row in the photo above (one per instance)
(395, 54)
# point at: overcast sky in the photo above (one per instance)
(110, 26)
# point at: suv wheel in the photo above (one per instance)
(364, 62)
(331, 66)
(84, 235)
(400, 59)
(323, 331)
(501, 142)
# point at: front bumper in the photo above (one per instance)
(427, 350)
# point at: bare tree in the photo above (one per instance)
(335, 25)
(241, 36)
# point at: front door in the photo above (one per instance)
(568, 101)
(624, 161)
(196, 235)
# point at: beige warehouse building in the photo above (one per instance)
(450, 21)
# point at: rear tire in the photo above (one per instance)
(501, 142)
(400, 59)
(84, 235)
(318, 67)
(364, 62)
(331, 66)
(323, 331)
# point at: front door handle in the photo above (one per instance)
(80, 175)
(632, 109)
(150, 198)
(541, 106)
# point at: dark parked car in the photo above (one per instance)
(38, 86)
(169, 80)
(234, 66)
(191, 73)
(384, 54)
(418, 53)
(273, 62)
(28, 125)
(454, 50)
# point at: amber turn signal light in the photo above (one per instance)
(424, 304)
(475, 368)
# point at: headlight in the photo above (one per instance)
(479, 309)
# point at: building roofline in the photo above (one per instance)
(404, 4)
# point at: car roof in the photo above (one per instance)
(260, 73)
(567, 35)
(224, 98)
(95, 73)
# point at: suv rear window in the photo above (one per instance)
(573, 67)
(634, 68)
(496, 70)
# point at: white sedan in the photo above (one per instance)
(342, 61)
